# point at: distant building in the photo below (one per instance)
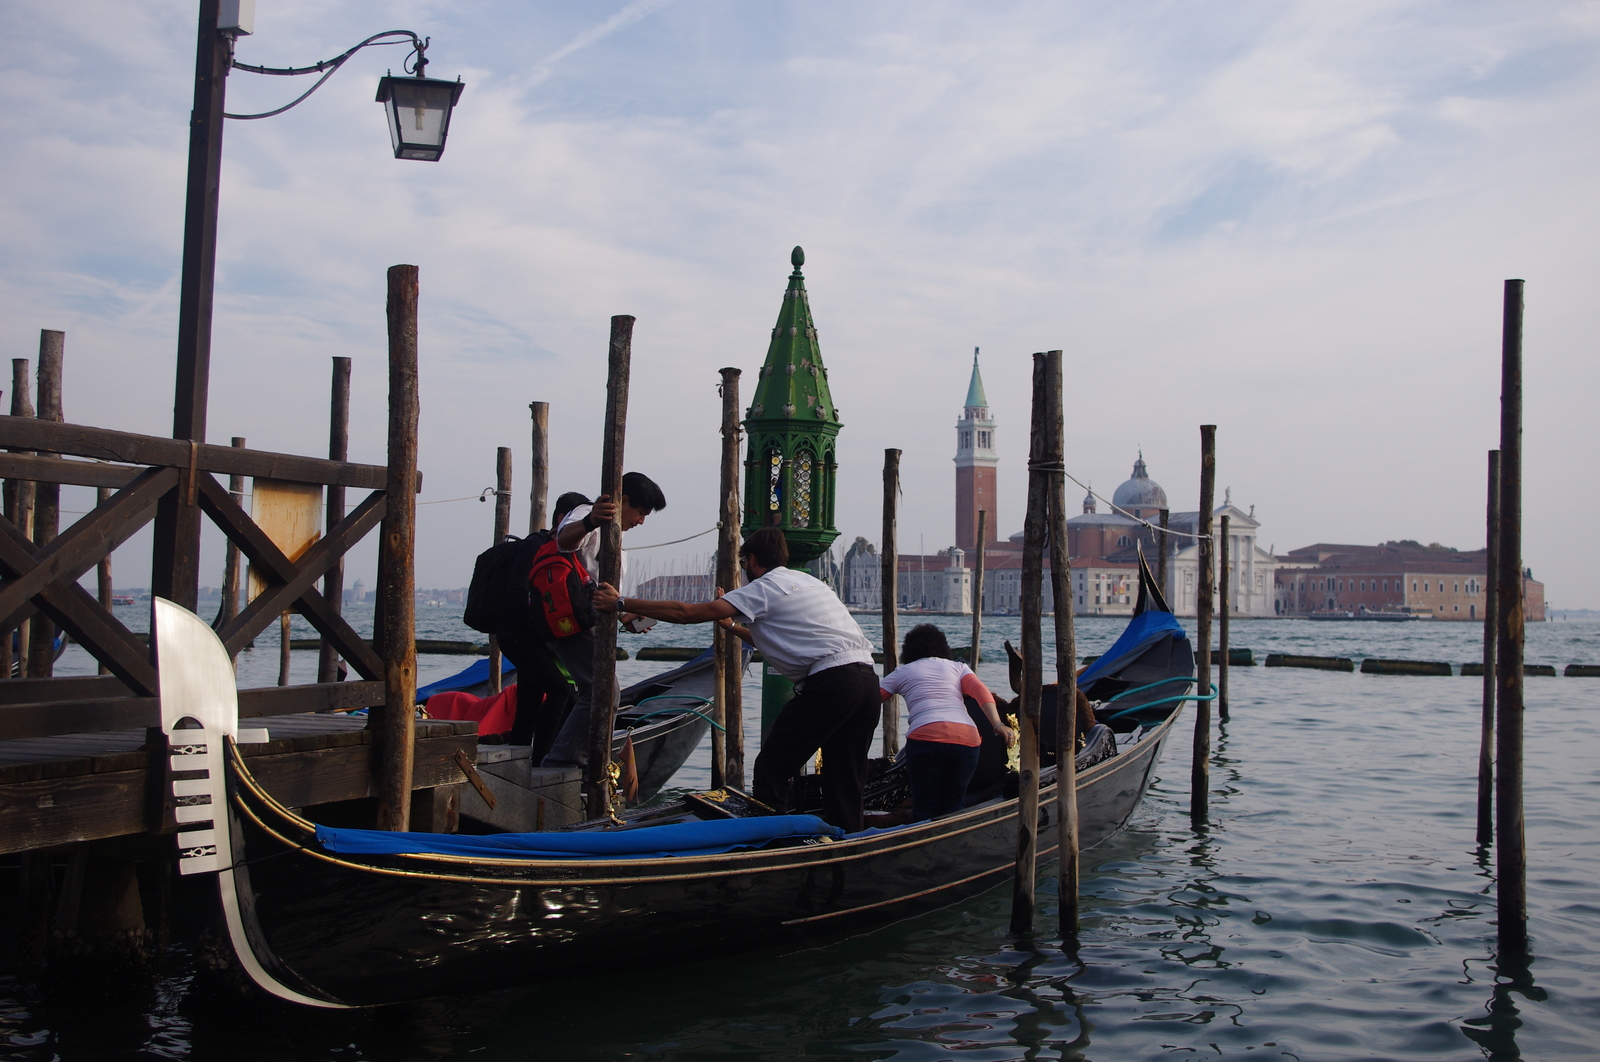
(676, 588)
(861, 575)
(976, 461)
(1403, 576)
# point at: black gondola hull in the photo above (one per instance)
(372, 930)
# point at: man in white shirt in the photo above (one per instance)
(579, 533)
(806, 635)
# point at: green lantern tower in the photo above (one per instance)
(792, 427)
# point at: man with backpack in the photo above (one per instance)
(578, 540)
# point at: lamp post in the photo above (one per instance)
(419, 111)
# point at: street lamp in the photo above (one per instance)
(419, 117)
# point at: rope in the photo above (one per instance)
(676, 541)
(1047, 466)
(680, 697)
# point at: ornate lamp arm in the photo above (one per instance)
(419, 47)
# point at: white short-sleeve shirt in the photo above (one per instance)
(799, 624)
(588, 550)
(932, 689)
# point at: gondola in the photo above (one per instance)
(346, 918)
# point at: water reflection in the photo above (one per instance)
(1496, 1030)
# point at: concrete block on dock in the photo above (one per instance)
(1374, 666)
(1320, 663)
(526, 797)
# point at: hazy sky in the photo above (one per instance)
(1293, 220)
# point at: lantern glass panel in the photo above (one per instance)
(419, 115)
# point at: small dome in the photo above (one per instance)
(1140, 492)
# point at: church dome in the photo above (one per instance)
(1140, 492)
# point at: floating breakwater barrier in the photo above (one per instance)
(1237, 657)
(1534, 670)
(1374, 666)
(1321, 663)
(1583, 671)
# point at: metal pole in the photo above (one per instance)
(1066, 656)
(47, 499)
(539, 468)
(175, 553)
(1033, 532)
(1491, 633)
(730, 650)
(1226, 547)
(1511, 857)
(1200, 768)
(397, 635)
(328, 669)
(890, 580)
(975, 655)
(602, 710)
(502, 528)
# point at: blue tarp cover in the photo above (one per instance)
(648, 842)
(475, 674)
(1145, 630)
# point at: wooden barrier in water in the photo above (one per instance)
(1320, 663)
(1374, 666)
(890, 588)
(1582, 671)
(1200, 765)
(1511, 858)
(1226, 597)
(730, 645)
(975, 647)
(1491, 638)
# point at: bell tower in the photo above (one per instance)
(792, 427)
(975, 466)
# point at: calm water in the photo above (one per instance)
(1336, 908)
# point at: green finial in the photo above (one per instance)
(798, 257)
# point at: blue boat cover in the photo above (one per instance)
(474, 674)
(1145, 630)
(647, 842)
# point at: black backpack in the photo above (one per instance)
(498, 595)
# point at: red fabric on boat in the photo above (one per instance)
(494, 715)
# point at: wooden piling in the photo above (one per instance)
(1225, 545)
(229, 607)
(328, 669)
(539, 467)
(1066, 653)
(47, 498)
(502, 528)
(1200, 767)
(890, 595)
(1511, 860)
(1161, 548)
(106, 588)
(598, 785)
(283, 649)
(19, 495)
(1033, 533)
(730, 650)
(396, 732)
(1491, 628)
(975, 655)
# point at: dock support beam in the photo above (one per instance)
(338, 450)
(1200, 766)
(1511, 857)
(1033, 533)
(890, 595)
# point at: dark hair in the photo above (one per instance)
(924, 640)
(768, 546)
(642, 492)
(565, 504)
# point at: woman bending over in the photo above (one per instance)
(941, 743)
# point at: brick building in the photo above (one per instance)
(1406, 576)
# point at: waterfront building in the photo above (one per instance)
(1252, 571)
(1402, 576)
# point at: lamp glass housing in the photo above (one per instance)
(419, 114)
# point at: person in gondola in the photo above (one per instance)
(941, 741)
(579, 534)
(806, 635)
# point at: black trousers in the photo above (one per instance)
(544, 696)
(836, 711)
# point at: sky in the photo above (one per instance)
(1292, 220)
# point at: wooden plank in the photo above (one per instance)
(297, 589)
(94, 806)
(68, 556)
(104, 444)
(63, 470)
(97, 714)
(65, 688)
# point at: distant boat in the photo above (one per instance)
(121, 599)
(1382, 617)
(1331, 614)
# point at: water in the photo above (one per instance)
(1336, 908)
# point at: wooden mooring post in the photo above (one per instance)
(539, 467)
(1066, 654)
(598, 785)
(730, 650)
(19, 495)
(1491, 635)
(104, 585)
(328, 669)
(228, 608)
(1225, 546)
(1511, 857)
(502, 528)
(975, 655)
(1033, 533)
(1161, 548)
(1200, 766)
(890, 595)
(396, 731)
(41, 648)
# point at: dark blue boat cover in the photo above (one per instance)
(474, 674)
(647, 842)
(1145, 630)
